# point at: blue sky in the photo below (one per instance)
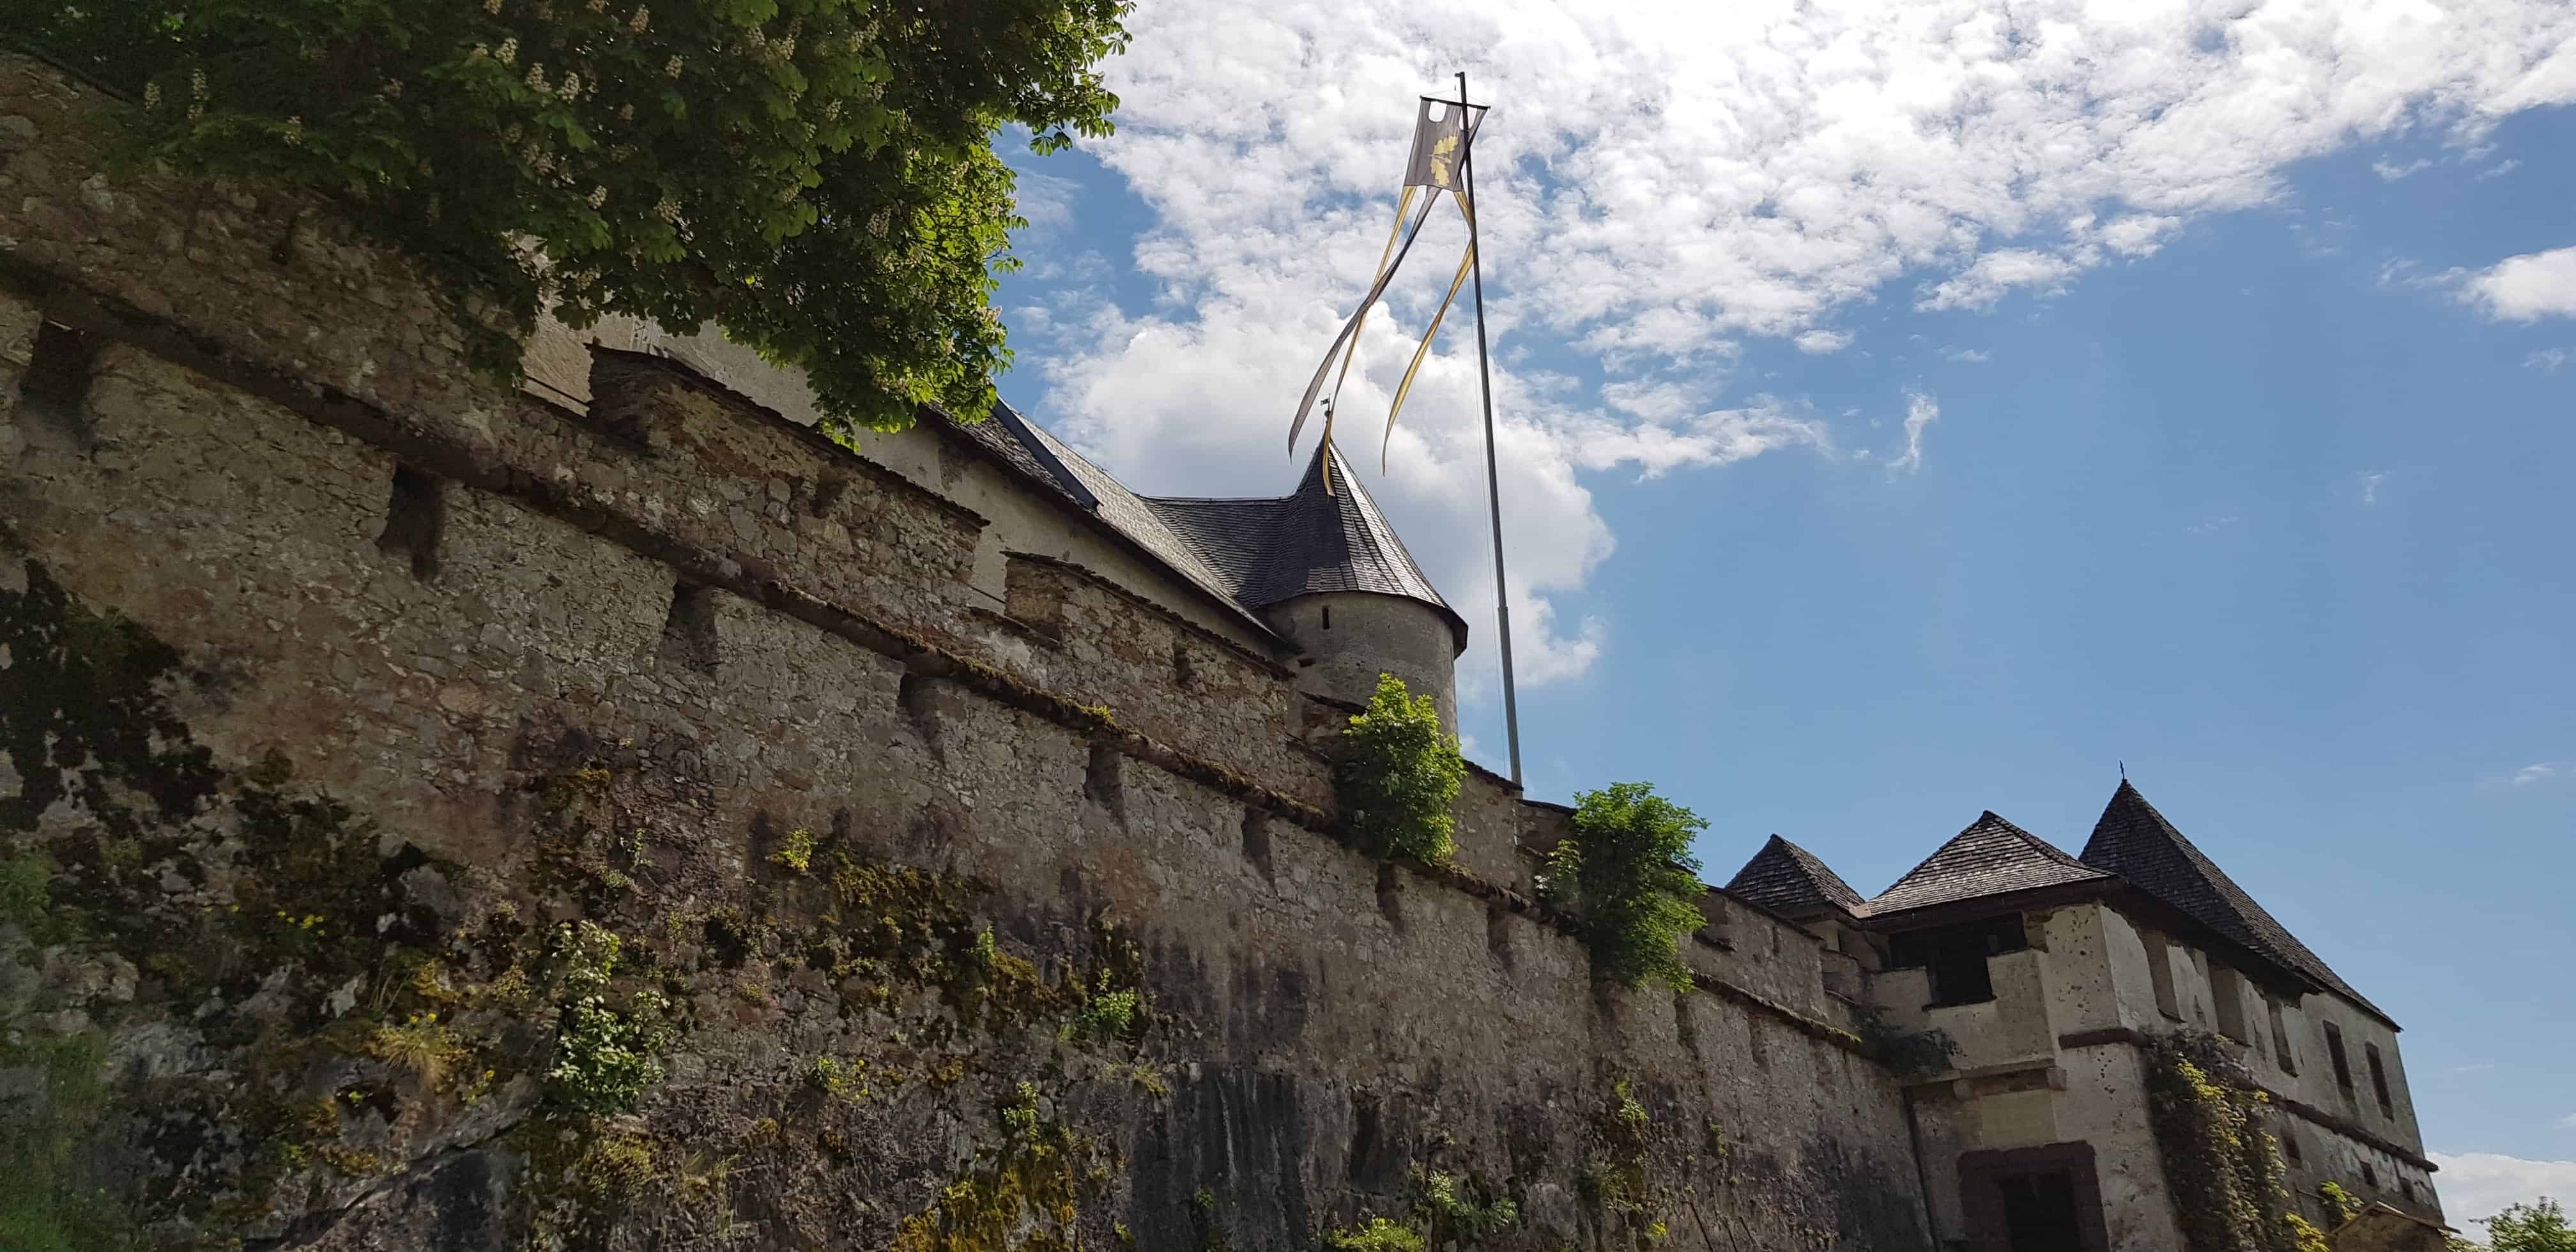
(2240, 353)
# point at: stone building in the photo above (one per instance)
(963, 819)
(2049, 972)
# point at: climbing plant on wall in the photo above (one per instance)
(2223, 1170)
(1628, 874)
(816, 176)
(1396, 774)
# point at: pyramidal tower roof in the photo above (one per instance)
(1789, 880)
(1272, 549)
(2135, 841)
(1991, 857)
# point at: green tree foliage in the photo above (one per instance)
(816, 176)
(1397, 774)
(2536, 1227)
(1632, 882)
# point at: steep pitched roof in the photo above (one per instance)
(1788, 879)
(1308, 541)
(1991, 857)
(2135, 841)
(1053, 466)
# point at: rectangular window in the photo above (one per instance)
(2227, 987)
(1956, 956)
(2379, 1080)
(2334, 1053)
(2160, 973)
(2281, 1050)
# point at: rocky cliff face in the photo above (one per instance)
(432, 820)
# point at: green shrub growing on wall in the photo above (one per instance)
(608, 1052)
(1628, 874)
(1396, 776)
(2222, 1170)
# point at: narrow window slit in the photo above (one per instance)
(1256, 840)
(55, 388)
(689, 633)
(1101, 782)
(415, 516)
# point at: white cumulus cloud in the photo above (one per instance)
(2526, 288)
(1659, 184)
(2475, 1186)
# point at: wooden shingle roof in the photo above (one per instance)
(1789, 880)
(1991, 857)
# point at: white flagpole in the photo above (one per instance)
(1485, 379)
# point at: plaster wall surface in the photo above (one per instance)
(1345, 639)
(2337, 1133)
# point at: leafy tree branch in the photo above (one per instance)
(815, 176)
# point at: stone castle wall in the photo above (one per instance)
(351, 708)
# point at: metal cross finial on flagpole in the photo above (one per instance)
(1493, 482)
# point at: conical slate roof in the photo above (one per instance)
(1991, 857)
(1789, 880)
(1279, 548)
(2135, 841)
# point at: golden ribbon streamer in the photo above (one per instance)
(1464, 262)
(1402, 206)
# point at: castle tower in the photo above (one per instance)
(1328, 574)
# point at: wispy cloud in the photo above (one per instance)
(1920, 411)
(2370, 487)
(2213, 524)
(2537, 772)
(2392, 171)
(2478, 1068)
(1971, 356)
(1822, 342)
(2547, 360)
(2568, 1122)
(2499, 169)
